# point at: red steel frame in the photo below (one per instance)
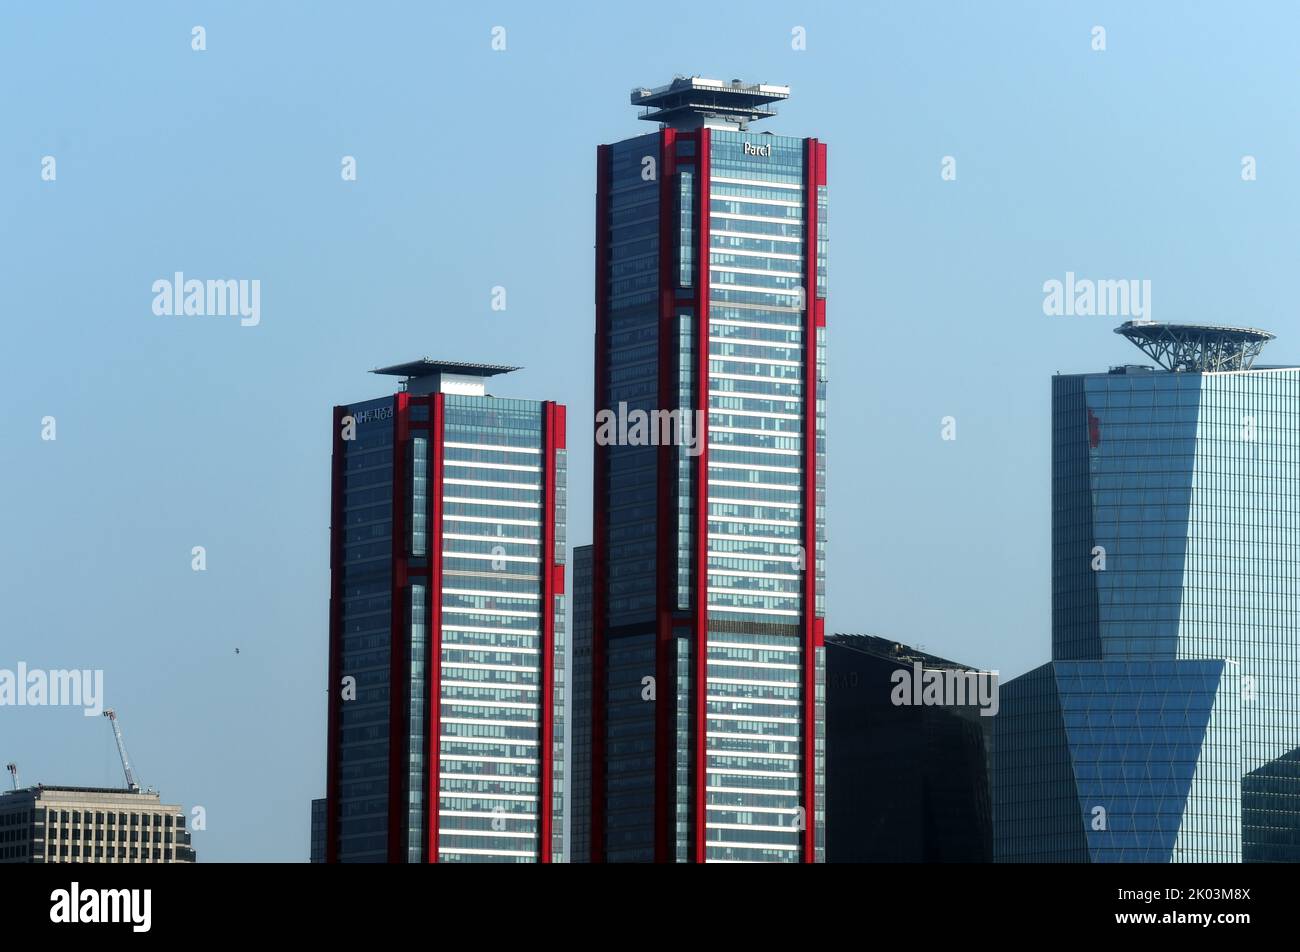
(815, 174)
(552, 584)
(814, 627)
(553, 439)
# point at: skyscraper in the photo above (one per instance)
(708, 549)
(446, 684)
(1170, 707)
(907, 775)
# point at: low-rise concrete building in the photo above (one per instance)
(44, 824)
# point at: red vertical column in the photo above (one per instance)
(551, 584)
(337, 533)
(814, 318)
(398, 668)
(703, 174)
(600, 505)
(433, 639)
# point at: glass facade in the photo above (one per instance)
(758, 396)
(1176, 538)
(1120, 762)
(366, 633)
(474, 491)
(630, 543)
(318, 830)
(579, 774)
(720, 648)
(633, 360)
(907, 783)
(492, 510)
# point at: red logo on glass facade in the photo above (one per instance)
(1094, 429)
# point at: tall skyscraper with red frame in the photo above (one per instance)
(446, 671)
(708, 551)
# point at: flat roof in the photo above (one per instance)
(889, 649)
(696, 96)
(427, 367)
(61, 788)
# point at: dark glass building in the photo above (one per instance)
(906, 781)
(446, 711)
(708, 549)
(580, 720)
(1174, 687)
(318, 814)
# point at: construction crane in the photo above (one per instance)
(121, 749)
(13, 769)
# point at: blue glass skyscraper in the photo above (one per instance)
(1167, 725)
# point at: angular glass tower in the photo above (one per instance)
(1175, 610)
(1119, 761)
(708, 559)
(446, 703)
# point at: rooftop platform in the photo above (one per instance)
(690, 101)
(427, 366)
(1196, 348)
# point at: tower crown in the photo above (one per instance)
(692, 102)
(427, 375)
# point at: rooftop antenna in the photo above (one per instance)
(13, 769)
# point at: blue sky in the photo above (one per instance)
(475, 169)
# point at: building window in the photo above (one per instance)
(686, 228)
(419, 496)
